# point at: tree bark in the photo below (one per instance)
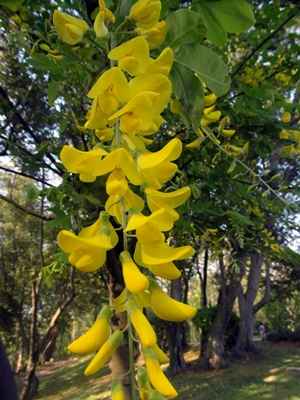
(215, 356)
(177, 362)
(8, 389)
(244, 342)
(49, 349)
(119, 363)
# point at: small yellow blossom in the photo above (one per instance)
(117, 392)
(108, 14)
(69, 28)
(141, 324)
(145, 13)
(154, 36)
(96, 336)
(135, 281)
(162, 64)
(132, 56)
(100, 28)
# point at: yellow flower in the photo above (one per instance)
(227, 133)
(154, 255)
(96, 336)
(286, 117)
(97, 118)
(69, 28)
(105, 134)
(141, 324)
(82, 162)
(88, 249)
(283, 134)
(162, 64)
(289, 149)
(113, 204)
(162, 219)
(136, 115)
(209, 99)
(157, 83)
(135, 281)
(112, 83)
(100, 28)
(105, 353)
(170, 200)
(145, 13)
(122, 160)
(156, 168)
(161, 356)
(116, 183)
(117, 392)
(108, 14)
(156, 376)
(166, 270)
(132, 56)
(154, 36)
(167, 308)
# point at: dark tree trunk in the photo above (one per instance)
(177, 362)
(184, 324)
(215, 356)
(18, 356)
(244, 341)
(50, 346)
(204, 281)
(120, 360)
(248, 310)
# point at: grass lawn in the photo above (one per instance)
(265, 379)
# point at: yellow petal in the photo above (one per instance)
(116, 183)
(141, 324)
(145, 13)
(69, 28)
(100, 28)
(157, 83)
(105, 353)
(154, 36)
(135, 281)
(87, 258)
(119, 159)
(95, 337)
(169, 309)
(132, 56)
(166, 271)
(161, 356)
(162, 64)
(149, 235)
(119, 302)
(108, 14)
(113, 82)
(156, 375)
(165, 254)
(161, 218)
(170, 199)
(97, 118)
(169, 152)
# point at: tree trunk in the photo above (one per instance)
(215, 356)
(245, 337)
(120, 360)
(50, 346)
(19, 356)
(8, 390)
(177, 362)
(184, 342)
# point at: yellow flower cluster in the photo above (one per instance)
(127, 102)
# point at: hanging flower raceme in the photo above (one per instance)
(82, 162)
(69, 28)
(145, 13)
(141, 324)
(156, 376)
(88, 249)
(96, 336)
(105, 353)
(132, 56)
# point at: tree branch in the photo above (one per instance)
(243, 62)
(24, 209)
(25, 175)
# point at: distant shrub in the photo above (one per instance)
(204, 319)
(285, 335)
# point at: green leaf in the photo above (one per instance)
(92, 199)
(183, 27)
(189, 91)
(52, 92)
(231, 15)
(64, 222)
(32, 193)
(42, 62)
(215, 34)
(207, 65)
(240, 217)
(62, 256)
(63, 124)
(9, 3)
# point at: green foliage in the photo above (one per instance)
(204, 319)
